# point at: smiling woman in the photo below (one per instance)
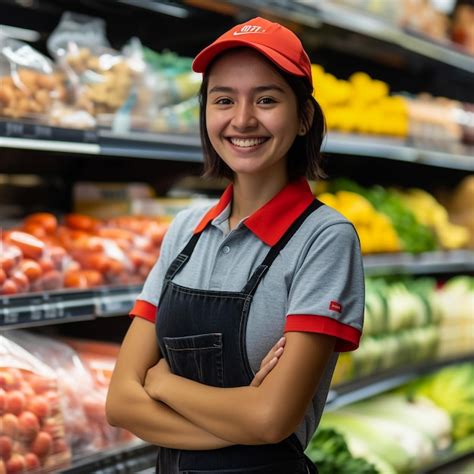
(227, 364)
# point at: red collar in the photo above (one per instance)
(273, 219)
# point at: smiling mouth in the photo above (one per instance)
(247, 142)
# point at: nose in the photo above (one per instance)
(244, 117)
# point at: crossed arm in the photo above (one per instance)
(171, 411)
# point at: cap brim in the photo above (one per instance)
(204, 58)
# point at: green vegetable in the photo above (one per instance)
(329, 451)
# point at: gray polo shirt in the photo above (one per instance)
(316, 283)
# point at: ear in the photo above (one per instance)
(307, 118)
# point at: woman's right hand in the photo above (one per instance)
(269, 362)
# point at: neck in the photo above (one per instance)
(251, 193)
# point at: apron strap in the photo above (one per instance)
(251, 285)
(182, 258)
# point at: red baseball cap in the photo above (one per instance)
(277, 43)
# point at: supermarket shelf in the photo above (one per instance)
(38, 309)
(452, 463)
(398, 149)
(314, 13)
(151, 145)
(22, 135)
(369, 386)
(455, 261)
(135, 458)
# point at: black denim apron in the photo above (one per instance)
(202, 336)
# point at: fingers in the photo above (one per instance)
(269, 362)
(274, 352)
(263, 372)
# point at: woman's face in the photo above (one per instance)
(251, 114)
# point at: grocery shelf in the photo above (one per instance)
(454, 261)
(138, 458)
(151, 145)
(187, 148)
(369, 386)
(314, 13)
(451, 463)
(398, 149)
(38, 309)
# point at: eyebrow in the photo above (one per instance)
(259, 89)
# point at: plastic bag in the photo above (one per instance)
(101, 77)
(100, 358)
(29, 82)
(32, 438)
(83, 403)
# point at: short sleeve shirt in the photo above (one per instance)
(315, 284)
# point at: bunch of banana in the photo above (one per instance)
(376, 232)
(431, 213)
(360, 105)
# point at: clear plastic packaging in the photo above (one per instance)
(30, 84)
(32, 438)
(101, 77)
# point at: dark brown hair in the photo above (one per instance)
(304, 155)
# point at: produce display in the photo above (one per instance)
(30, 84)
(329, 451)
(432, 19)
(32, 434)
(460, 208)
(452, 389)
(360, 104)
(82, 252)
(390, 220)
(68, 405)
(375, 229)
(89, 84)
(401, 326)
(455, 299)
(394, 433)
(403, 431)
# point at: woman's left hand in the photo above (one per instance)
(155, 378)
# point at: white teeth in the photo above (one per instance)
(246, 142)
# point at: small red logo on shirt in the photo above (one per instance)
(335, 306)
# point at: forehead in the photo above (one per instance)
(244, 65)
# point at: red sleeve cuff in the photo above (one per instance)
(347, 337)
(144, 310)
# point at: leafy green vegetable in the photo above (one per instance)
(329, 451)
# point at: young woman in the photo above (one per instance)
(268, 260)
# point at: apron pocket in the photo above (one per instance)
(197, 357)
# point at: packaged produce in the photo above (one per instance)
(435, 122)
(82, 252)
(33, 433)
(81, 398)
(100, 76)
(74, 383)
(30, 84)
(100, 358)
